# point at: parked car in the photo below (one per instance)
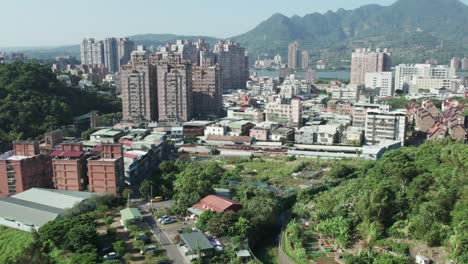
(168, 221)
(107, 250)
(162, 218)
(111, 256)
(157, 199)
(143, 238)
(151, 248)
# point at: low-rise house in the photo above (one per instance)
(215, 203)
(259, 133)
(423, 120)
(437, 132)
(195, 244)
(216, 129)
(319, 134)
(282, 134)
(305, 135)
(130, 215)
(107, 135)
(240, 128)
(246, 113)
(329, 134)
(339, 107)
(353, 135)
(195, 128)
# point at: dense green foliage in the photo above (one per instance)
(33, 101)
(70, 234)
(415, 193)
(195, 182)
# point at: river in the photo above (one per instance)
(303, 74)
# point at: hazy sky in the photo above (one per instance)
(63, 22)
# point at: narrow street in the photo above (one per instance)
(171, 248)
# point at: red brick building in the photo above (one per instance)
(106, 169)
(69, 167)
(23, 168)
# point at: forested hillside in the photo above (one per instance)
(414, 193)
(33, 101)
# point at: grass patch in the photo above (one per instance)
(13, 243)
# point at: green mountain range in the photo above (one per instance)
(415, 30)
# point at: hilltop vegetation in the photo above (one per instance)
(418, 194)
(33, 101)
(413, 29)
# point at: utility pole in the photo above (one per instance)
(128, 200)
(151, 198)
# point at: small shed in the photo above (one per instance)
(129, 215)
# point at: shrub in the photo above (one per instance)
(108, 220)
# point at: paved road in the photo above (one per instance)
(171, 249)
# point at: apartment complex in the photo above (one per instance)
(106, 169)
(285, 113)
(174, 90)
(384, 124)
(414, 77)
(139, 92)
(207, 90)
(112, 52)
(69, 167)
(234, 64)
(91, 52)
(294, 55)
(305, 59)
(383, 81)
(366, 61)
(23, 168)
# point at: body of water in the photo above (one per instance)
(303, 74)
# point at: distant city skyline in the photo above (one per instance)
(27, 23)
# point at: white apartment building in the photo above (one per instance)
(217, 130)
(384, 125)
(246, 113)
(429, 83)
(406, 75)
(360, 113)
(287, 114)
(292, 87)
(382, 81)
(349, 92)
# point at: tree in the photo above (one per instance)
(194, 183)
(145, 189)
(127, 192)
(120, 247)
(108, 220)
(204, 220)
(33, 101)
(84, 258)
(242, 227)
(80, 235)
